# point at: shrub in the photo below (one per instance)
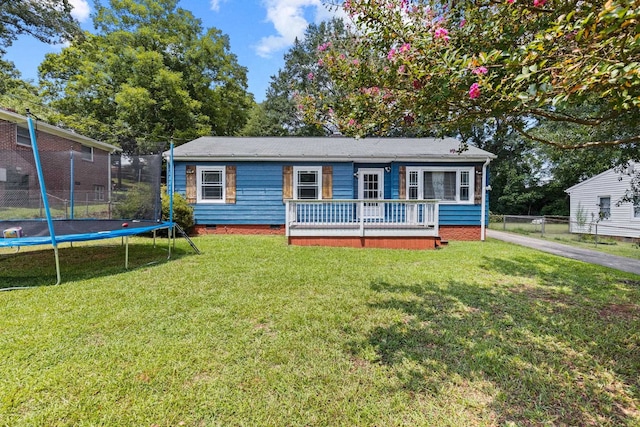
(136, 203)
(182, 211)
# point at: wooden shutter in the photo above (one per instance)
(287, 182)
(402, 183)
(327, 182)
(192, 187)
(477, 193)
(230, 184)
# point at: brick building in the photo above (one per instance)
(65, 156)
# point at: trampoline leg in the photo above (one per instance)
(171, 235)
(126, 253)
(154, 239)
(55, 251)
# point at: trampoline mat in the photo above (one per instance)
(36, 232)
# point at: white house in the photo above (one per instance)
(595, 205)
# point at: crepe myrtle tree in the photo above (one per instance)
(447, 65)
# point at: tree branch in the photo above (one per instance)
(588, 144)
(561, 117)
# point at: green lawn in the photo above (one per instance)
(559, 233)
(257, 333)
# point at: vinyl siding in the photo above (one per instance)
(586, 196)
(259, 193)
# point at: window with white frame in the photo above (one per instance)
(98, 191)
(447, 184)
(210, 184)
(86, 153)
(23, 137)
(604, 203)
(636, 210)
(307, 183)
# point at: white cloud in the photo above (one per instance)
(215, 5)
(81, 10)
(289, 22)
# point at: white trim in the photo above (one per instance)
(82, 153)
(457, 170)
(600, 207)
(199, 170)
(22, 144)
(317, 169)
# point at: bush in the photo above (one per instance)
(136, 203)
(182, 211)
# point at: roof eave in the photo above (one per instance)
(63, 133)
(385, 159)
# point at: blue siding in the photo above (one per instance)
(259, 192)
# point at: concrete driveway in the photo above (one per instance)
(594, 257)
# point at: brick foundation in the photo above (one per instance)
(201, 230)
(460, 232)
(368, 242)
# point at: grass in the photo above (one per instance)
(254, 332)
(558, 233)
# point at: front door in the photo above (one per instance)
(371, 187)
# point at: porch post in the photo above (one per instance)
(361, 204)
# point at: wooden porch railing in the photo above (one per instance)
(361, 217)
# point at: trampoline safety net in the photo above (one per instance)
(85, 184)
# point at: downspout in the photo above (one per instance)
(483, 204)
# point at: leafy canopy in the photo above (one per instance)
(450, 64)
(151, 73)
(49, 21)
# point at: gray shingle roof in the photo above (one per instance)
(326, 148)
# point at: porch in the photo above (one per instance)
(408, 224)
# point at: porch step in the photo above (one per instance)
(440, 242)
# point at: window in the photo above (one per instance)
(444, 184)
(23, 137)
(464, 186)
(307, 183)
(636, 210)
(87, 153)
(605, 207)
(98, 191)
(210, 184)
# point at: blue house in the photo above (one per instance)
(373, 192)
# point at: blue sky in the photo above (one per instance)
(260, 32)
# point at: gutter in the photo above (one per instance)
(483, 204)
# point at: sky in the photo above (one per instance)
(260, 33)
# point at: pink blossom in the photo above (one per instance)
(441, 33)
(324, 46)
(510, 1)
(352, 122)
(480, 70)
(342, 56)
(320, 62)
(401, 69)
(474, 91)
(391, 54)
(310, 76)
(355, 62)
(405, 47)
(539, 3)
(462, 23)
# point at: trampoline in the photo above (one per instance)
(36, 232)
(73, 199)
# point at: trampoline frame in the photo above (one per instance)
(126, 229)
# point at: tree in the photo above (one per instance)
(452, 64)
(150, 74)
(302, 73)
(49, 21)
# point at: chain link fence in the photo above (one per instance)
(100, 187)
(561, 227)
